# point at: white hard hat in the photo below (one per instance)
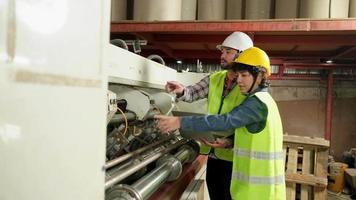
(237, 40)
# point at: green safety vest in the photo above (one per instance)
(234, 98)
(258, 165)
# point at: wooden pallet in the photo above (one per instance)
(306, 162)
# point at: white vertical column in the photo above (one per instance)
(53, 99)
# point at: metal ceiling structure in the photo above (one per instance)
(325, 46)
(300, 41)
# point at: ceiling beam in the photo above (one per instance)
(164, 48)
(216, 54)
(343, 51)
(318, 65)
(306, 39)
(261, 39)
(227, 26)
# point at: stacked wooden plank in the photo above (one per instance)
(306, 161)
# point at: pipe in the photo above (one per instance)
(148, 184)
(120, 159)
(119, 118)
(124, 174)
(317, 65)
(156, 58)
(143, 188)
(169, 168)
(119, 43)
(116, 170)
(185, 154)
(329, 103)
(281, 70)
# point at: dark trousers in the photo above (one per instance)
(218, 178)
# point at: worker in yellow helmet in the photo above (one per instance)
(258, 162)
(222, 94)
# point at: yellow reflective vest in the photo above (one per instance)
(216, 102)
(258, 164)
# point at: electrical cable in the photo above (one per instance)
(126, 122)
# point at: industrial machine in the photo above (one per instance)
(139, 158)
(62, 135)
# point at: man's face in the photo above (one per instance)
(227, 56)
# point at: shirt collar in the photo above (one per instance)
(259, 89)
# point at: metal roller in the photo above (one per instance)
(125, 173)
(168, 168)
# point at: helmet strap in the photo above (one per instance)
(254, 82)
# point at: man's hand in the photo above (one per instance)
(218, 143)
(166, 124)
(175, 87)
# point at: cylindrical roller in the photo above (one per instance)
(161, 10)
(189, 9)
(122, 158)
(122, 192)
(257, 9)
(314, 9)
(234, 9)
(125, 173)
(211, 10)
(193, 153)
(286, 9)
(339, 8)
(119, 118)
(168, 168)
(118, 10)
(115, 171)
(175, 166)
(352, 9)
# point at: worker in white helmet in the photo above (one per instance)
(223, 95)
(258, 163)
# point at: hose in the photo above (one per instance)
(119, 43)
(156, 58)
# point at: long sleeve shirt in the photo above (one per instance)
(200, 90)
(197, 91)
(251, 113)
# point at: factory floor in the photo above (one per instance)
(198, 189)
(338, 196)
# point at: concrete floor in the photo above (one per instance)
(193, 194)
(338, 196)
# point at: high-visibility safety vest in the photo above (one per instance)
(258, 165)
(216, 102)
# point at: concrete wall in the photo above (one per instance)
(343, 126)
(302, 108)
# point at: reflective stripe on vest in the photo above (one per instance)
(258, 154)
(258, 165)
(269, 180)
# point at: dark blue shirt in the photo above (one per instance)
(251, 113)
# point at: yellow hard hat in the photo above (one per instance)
(255, 57)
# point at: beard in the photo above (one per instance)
(224, 64)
